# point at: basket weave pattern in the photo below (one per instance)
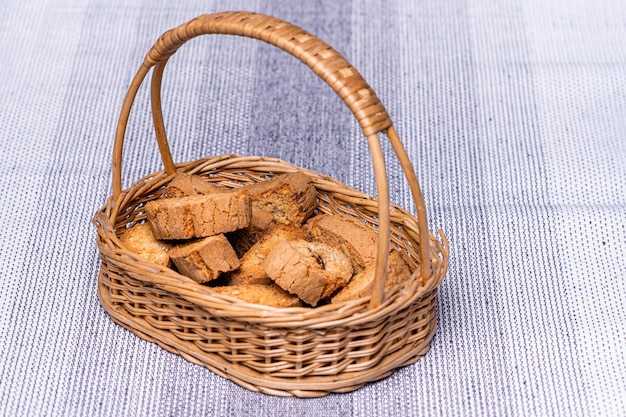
(290, 351)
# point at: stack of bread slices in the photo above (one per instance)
(263, 243)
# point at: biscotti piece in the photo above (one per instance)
(285, 199)
(362, 283)
(311, 270)
(139, 239)
(243, 239)
(198, 216)
(269, 295)
(251, 271)
(205, 259)
(356, 238)
(185, 185)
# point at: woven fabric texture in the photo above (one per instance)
(513, 112)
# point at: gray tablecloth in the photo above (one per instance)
(513, 112)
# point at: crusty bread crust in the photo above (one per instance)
(205, 259)
(311, 270)
(269, 295)
(139, 239)
(251, 271)
(285, 199)
(198, 216)
(356, 238)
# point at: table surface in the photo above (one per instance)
(513, 112)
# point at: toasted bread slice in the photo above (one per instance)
(356, 238)
(205, 259)
(285, 199)
(198, 216)
(251, 271)
(139, 239)
(311, 270)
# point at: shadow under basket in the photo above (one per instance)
(298, 351)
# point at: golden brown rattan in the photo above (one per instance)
(299, 351)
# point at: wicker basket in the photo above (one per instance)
(299, 351)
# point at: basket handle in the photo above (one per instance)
(327, 63)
